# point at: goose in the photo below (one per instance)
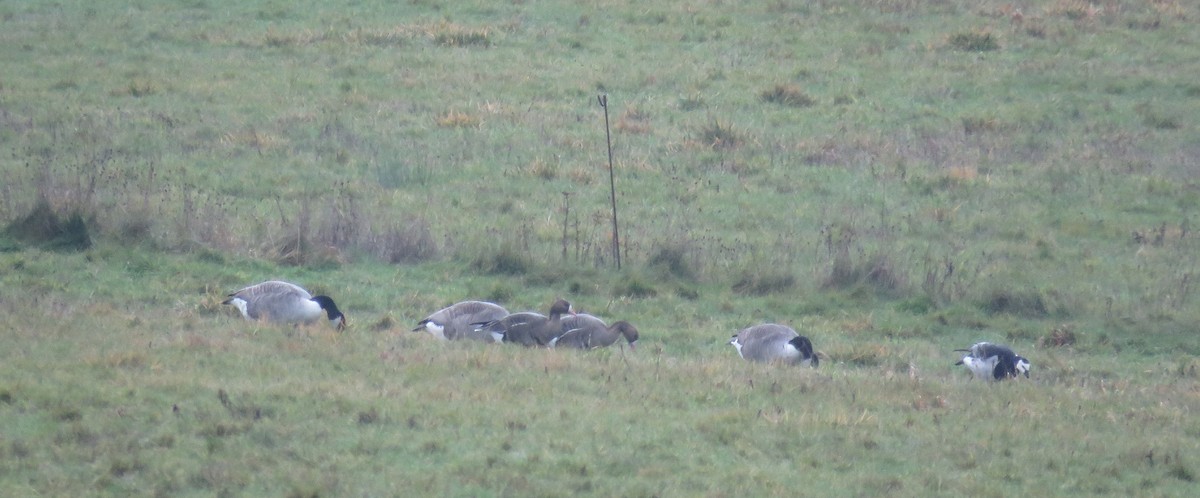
(284, 302)
(458, 320)
(993, 362)
(528, 328)
(584, 331)
(773, 342)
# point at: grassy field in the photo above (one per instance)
(893, 178)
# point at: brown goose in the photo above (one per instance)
(458, 321)
(529, 328)
(772, 342)
(284, 302)
(583, 331)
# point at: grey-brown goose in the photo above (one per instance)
(529, 328)
(584, 331)
(773, 342)
(460, 321)
(284, 302)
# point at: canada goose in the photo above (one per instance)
(993, 362)
(528, 328)
(283, 302)
(773, 342)
(458, 320)
(584, 331)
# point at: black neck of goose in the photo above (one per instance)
(327, 304)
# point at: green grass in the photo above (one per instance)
(895, 179)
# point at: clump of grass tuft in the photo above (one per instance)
(633, 121)
(381, 37)
(978, 125)
(500, 292)
(673, 261)
(1181, 472)
(542, 169)
(292, 251)
(1189, 366)
(687, 292)
(863, 355)
(632, 285)
(277, 39)
(690, 103)
(1027, 303)
(1059, 336)
(719, 136)
(457, 119)
(504, 260)
(368, 417)
(1075, 10)
(139, 88)
(137, 228)
(877, 272)
(974, 41)
(453, 35)
(42, 227)
(1156, 118)
(410, 243)
(761, 283)
(385, 323)
(790, 95)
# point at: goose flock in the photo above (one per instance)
(283, 302)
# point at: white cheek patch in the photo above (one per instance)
(438, 330)
(1023, 367)
(790, 351)
(240, 304)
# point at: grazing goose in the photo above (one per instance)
(993, 362)
(583, 331)
(529, 328)
(458, 320)
(772, 342)
(282, 302)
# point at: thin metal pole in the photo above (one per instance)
(612, 182)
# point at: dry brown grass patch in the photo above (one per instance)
(456, 35)
(260, 141)
(633, 121)
(787, 94)
(1059, 336)
(458, 119)
(542, 169)
(1075, 10)
(962, 174)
